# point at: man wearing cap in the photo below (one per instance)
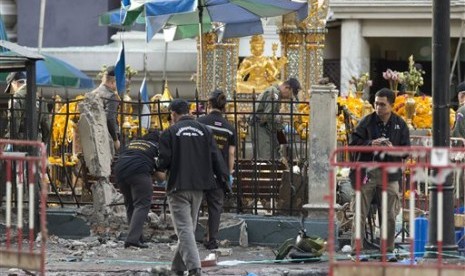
(225, 137)
(107, 92)
(266, 122)
(459, 126)
(189, 154)
(16, 85)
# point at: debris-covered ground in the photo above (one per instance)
(94, 256)
(103, 253)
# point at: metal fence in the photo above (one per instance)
(25, 193)
(260, 186)
(423, 243)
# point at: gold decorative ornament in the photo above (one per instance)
(410, 108)
(159, 109)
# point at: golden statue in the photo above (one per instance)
(258, 72)
(159, 109)
(155, 120)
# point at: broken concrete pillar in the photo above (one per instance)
(96, 148)
(322, 141)
(103, 194)
(94, 136)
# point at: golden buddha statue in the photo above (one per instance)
(258, 72)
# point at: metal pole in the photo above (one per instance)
(441, 135)
(32, 130)
(165, 61)
(41, 25)
(200, 54)
(31, 108)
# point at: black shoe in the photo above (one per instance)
(178, 272)
(211, 245)
(137, 244)
(195, 272)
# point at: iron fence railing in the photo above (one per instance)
(275, 186)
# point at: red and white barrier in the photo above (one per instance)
(423, 168)
(23, 188)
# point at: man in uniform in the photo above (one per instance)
(189, 154)
(459, 126)
(266, 122)
(107, 92)
(134, 169)
(16, 85)
(459, 129)
(225, 137)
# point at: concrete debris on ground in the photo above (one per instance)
(96, 256)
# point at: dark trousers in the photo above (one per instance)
(137, 191)
(214, 198)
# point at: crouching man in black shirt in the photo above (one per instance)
(134, 170)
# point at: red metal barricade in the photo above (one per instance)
(423, 167)
(422, 191)
(25, 205)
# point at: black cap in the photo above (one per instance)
(179, 106)
(215, 94)
(295, 85)
(461, 87)
(13, 76)
(110, 71)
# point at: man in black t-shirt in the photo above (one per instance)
(225, 137)
(384, 128)
(134, 170)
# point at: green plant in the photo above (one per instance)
(361, 82)
(413, 78)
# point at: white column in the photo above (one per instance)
(355, 53)
(322, 140)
